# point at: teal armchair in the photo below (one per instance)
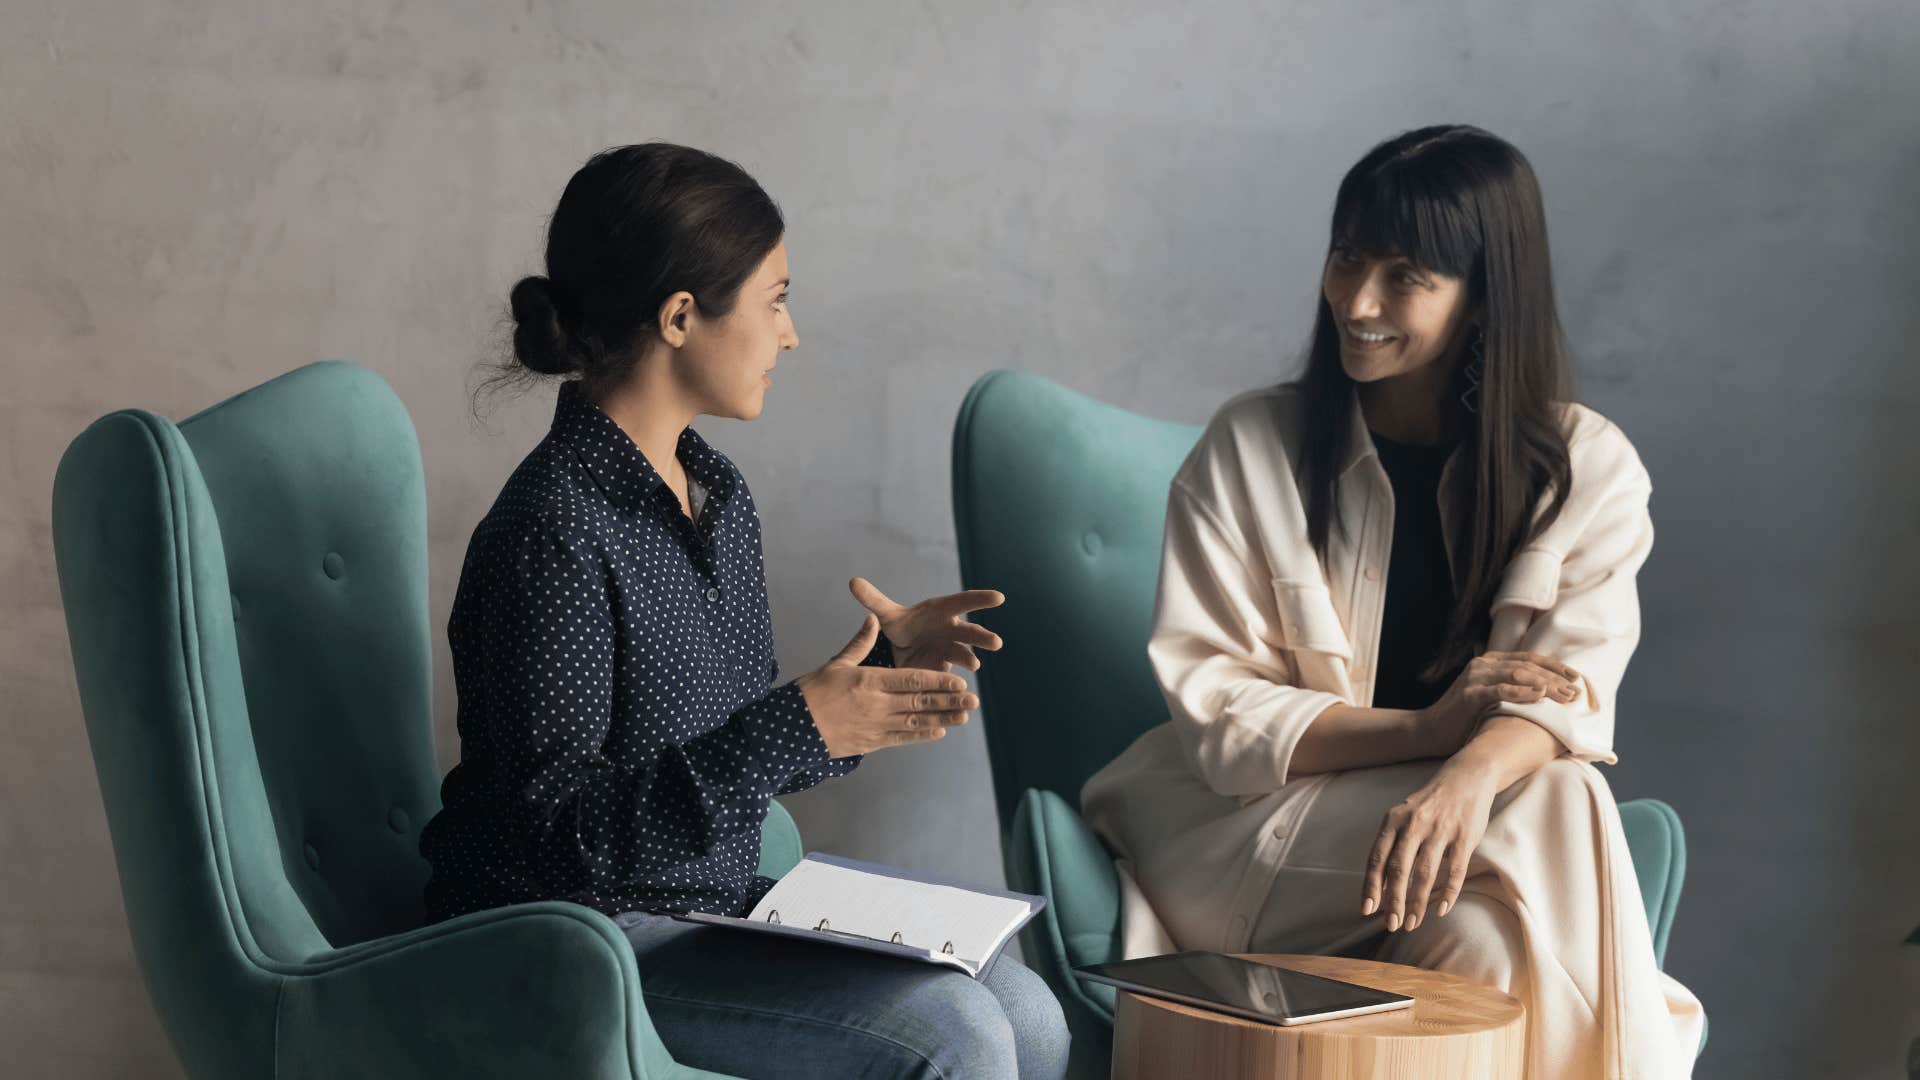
(1059, 501)
(246, 599)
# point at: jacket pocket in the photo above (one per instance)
(1308, 620)
(1531, 580)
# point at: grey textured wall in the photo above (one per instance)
(198, 195)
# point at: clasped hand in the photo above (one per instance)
(1427, 840)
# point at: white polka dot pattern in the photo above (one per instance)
(612, 658)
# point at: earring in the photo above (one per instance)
(1470, 397)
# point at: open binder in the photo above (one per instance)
(883, 909)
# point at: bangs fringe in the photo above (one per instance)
(1405, 208)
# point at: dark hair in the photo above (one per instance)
(635, 225)
(1458, 201)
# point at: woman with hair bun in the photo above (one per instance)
(622, 727)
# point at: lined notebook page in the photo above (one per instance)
(926, 916)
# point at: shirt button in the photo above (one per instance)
(713, 594)
(1373, 574)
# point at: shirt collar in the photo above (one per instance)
(1359, 441)
(626, 476)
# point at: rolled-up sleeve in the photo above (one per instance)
(1219, 652)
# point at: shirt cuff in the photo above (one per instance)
(1574, 725)
(781, 735)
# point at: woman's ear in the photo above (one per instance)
(675, 313)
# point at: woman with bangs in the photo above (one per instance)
(1396, 601)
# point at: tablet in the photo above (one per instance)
(1271, 995)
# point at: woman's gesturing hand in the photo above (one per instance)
(1424, 846)
(1488, 681)
(934, 632)
(862, 709)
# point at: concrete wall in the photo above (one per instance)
(198, 195)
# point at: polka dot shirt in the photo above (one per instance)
(620, 733)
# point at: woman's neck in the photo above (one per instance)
(1410, 408)
(648, 406)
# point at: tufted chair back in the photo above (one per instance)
(1059, 501)
(246, 598)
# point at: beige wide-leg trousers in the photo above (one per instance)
(1551, 912)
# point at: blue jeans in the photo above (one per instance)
(759, 1006)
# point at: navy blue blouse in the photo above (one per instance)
(620, 733)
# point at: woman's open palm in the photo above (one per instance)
(933, 633)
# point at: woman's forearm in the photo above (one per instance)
(1506, 750)
(1346, 737)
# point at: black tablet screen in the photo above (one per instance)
(1241, 985)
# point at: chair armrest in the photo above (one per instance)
(780, 849)
(1658, 845)
(543, 989)
(1052, 852)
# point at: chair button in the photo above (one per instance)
(1091, 543)
(334, 565)
(397, 820)
(1373, 573)
(313, 857)
(713, 594)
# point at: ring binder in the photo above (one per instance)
(800, 906)
(824, 927)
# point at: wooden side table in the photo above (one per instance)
(1455, 1028)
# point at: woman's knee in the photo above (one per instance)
(960, 1026)
(1479, 939)
(1039, 1026)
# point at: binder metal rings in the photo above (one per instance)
(896, 938)
(773, 916)
(821, 925)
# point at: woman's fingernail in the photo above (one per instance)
(1413, 921)
(1367, 906)
(1445, 906)
(1393, 921)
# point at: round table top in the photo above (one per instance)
(1443, 1004)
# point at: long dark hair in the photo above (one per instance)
(1458, 201)
(635, 225)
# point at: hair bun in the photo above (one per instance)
(539, 340)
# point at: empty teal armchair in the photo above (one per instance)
(246, 598)
(1059, 501)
